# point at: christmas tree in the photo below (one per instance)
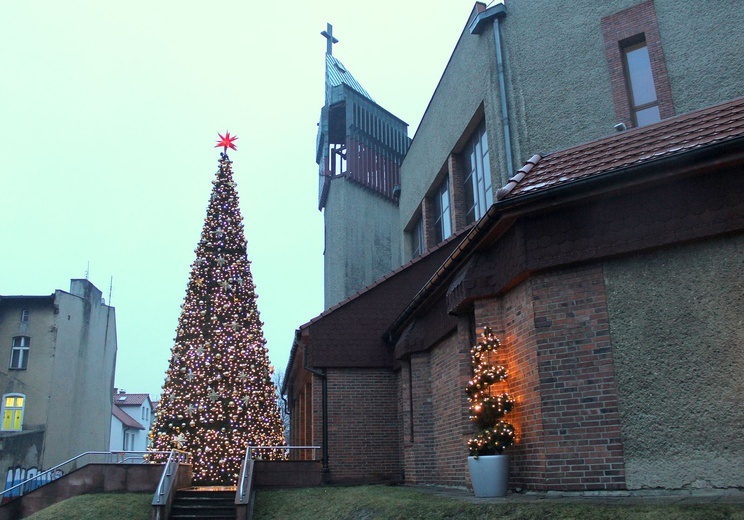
(219, 397)
(488, 404)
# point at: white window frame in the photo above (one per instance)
(19, 352)
(478, 189)
(442, 212)
(25, 313)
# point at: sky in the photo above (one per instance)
(109, 113)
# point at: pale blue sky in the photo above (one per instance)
(108, 116)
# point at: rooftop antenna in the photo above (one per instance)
(87, 270)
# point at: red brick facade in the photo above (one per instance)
(555, 341)
(363, 432)
(556, 344)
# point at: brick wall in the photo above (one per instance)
(417, 421)
(556, 346)
(363, 429)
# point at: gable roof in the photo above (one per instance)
(351, 333)
(126, 419)
(337, 74)
(130, 399)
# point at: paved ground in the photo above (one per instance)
(697, 496)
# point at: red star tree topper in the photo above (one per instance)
(226, 141)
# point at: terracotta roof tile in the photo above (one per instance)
(130, 399)
(125, 418)
(669, 137)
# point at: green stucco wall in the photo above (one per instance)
(676, 326)
(558, 82)
(360, 242)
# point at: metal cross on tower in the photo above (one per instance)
(328, 35)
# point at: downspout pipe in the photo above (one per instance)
(324, 397)
(494, 15)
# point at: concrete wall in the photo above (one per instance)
(92, 478)
(676, 326)
(81, 381)
(361, 243)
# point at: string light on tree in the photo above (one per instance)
(488, 405)
(219, 397)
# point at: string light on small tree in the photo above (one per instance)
(488, 406)
(219, 396)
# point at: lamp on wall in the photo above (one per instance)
(620, 127)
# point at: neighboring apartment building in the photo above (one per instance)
(58, 355)
(575, 184)
(131, 419)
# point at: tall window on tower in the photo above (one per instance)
(478, 193)
(442, 218)
(644, 104)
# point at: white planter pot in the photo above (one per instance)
(489, 475)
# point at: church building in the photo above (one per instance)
(575, 185)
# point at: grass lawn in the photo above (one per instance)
(102, 506)
(388, 503)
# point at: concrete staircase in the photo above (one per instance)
(204, 502)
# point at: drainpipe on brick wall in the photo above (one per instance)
(496, 13)
(324, 392)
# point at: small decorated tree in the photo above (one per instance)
(488, 404)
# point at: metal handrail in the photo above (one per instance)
(41, 476)
(175, 457)
(242, 483)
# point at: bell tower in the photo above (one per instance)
(360, 147)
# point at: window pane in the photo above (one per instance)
(478, 179)
(641, 78)
(648, 116)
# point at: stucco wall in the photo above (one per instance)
(357, 252)
(79, 415)
(677, 336)
(558, 82)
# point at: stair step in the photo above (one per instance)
(206, 503)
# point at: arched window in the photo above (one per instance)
(13, 405)
(19, 353)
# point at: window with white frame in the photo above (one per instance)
(19, 353)
(24, 315)
(442, 217)
(13, 405)
(478, 193)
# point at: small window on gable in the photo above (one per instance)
(24, 315)
(19, 352)
(13, 406)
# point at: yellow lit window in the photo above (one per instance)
(13, 412)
